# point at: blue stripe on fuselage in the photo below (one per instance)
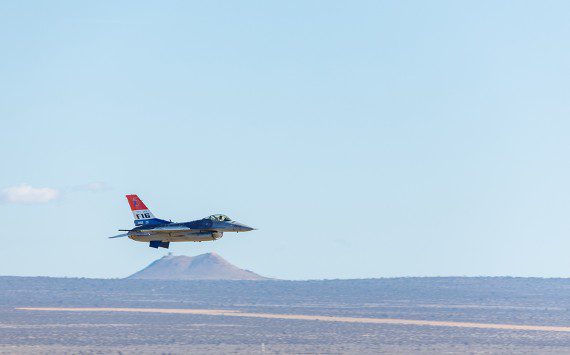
(150, 222)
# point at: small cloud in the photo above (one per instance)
(93, 186)
(25, 193)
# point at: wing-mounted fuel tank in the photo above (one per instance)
(197, 237)
(203, 236)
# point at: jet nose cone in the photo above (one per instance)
(240, 227)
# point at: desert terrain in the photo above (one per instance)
(399, 315)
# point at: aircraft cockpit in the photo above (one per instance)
(219, 218)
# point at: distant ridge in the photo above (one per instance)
(208, 266)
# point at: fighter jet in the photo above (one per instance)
(159, 232)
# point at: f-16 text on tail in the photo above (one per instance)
(159, 232)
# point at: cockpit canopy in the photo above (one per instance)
(219, 217)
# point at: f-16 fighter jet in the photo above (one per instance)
(159, 232)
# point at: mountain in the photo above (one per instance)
(208, 266)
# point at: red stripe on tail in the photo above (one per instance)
(136, 203)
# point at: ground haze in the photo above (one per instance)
(427, 315)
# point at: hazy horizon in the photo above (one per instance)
(170, 271)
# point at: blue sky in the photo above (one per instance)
(363, 139)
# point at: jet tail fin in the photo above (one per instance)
(141, 214)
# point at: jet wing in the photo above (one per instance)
(167, 230)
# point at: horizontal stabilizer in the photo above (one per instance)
(120, 236)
